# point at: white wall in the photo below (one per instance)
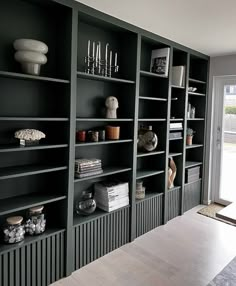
(219, 66)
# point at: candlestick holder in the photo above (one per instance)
(98, 66)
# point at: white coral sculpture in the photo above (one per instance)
(29, 134)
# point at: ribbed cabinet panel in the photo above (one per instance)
(149, 214)
(173, 203)
(192, 195)
(100, 236)
(36, 264)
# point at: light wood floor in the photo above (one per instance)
(188, 251)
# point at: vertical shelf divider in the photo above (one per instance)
(184, 134)
(73, 85)
(165, 211)
(133, 201)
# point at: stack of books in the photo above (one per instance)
(176, 125)
(87, 167)
(110, 196)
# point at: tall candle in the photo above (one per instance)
(99, 51)
(88, 47)
(115, 59)
(110, 59)
(93, 49)
(106, 53)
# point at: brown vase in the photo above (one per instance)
(189, 140)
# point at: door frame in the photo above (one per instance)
(218, 89)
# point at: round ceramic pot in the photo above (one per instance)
(189, 140)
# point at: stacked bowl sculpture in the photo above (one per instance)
(31, 54)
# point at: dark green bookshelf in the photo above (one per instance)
(64, 99)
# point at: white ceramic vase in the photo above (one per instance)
(31, 54)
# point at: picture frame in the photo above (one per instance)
(160, 61)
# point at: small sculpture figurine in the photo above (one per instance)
(111, 105)
(31, 54)
(171, 173)
(29, 136)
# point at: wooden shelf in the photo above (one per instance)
(189, 164)
(107, 171)
(196, 93)
(97, 214)
(179, 138)
(151, 74)
(84, 144)
(195, 119)
(175, 188)
(176, 119)
(31, 77)
(104, 119)
(153, 98)
(33, 119)
(15, 204)
(186, 184)
(196, 81)
(147, 173)
(153, 153)
(103, 78)
(174, 154)
(152, 119)
(21, 171)
(30, 239)
(148, 196)
(16, 148)
(194, 146)
(176, 86)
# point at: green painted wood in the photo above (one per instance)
(14, 148)
(173, 202)
(98, 237)
(192, 195)
(149, 214)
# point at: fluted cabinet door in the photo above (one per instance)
(39, 263)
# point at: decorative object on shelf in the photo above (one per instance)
(87, 167)
(192, 174)
(160, 61)
(111, 195)
(171, 173)
(94, 64)
(191, 111)
(36, 222)
(147, 139)
(31, 54)
(111, 105)
(93, 136)
(140, 190)
(175, 135)
(112, 132)
(189, 138)
(81, 136)
(192, 89)
(86, 205)
(178, 76)
(102, 135)
(14, 230)
(29, 136)
(176, 125)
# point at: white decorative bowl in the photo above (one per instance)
(31, 54)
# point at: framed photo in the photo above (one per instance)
(160, 61)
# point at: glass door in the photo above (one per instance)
(224, 157)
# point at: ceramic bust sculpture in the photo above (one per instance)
(111, 105)
(171, 173)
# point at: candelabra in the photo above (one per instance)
(94, 64)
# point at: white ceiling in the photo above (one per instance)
(208, 26)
